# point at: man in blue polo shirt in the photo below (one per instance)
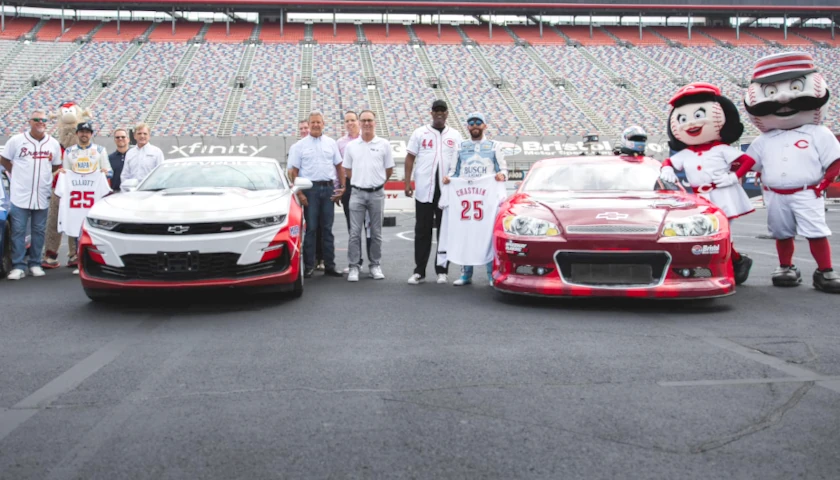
(316, 157)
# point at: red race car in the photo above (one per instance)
(608, 226)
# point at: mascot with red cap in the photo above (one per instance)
(701, 126)
(797, 159)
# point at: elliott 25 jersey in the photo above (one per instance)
(78, 193)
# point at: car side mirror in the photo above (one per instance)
(301, 184)
(130, 185)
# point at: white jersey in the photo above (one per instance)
(470, 208)
(702, 167)
(434, 152)
(794, 158)
(32, 164)
(78, 193)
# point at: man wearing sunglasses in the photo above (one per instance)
(31, 158)
(117, 158)
(431, 150)
(477, 157)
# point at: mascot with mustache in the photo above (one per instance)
(701, 126)
(797, 159)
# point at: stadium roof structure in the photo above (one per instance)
(754, 8)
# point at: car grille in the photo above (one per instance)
(184, 266)
(185, 228)
(612, 229)
(613, 269)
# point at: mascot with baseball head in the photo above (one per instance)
(796, 157)
(69, 116)
(701, 126)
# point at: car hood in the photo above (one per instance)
(625, 208)
(192, 204)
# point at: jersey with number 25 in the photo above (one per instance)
(78, 193)
(467, 228)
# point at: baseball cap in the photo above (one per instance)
(477, 116)
(85, 126)
(439, 104)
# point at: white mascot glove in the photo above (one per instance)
(726, 180)
(668, 174)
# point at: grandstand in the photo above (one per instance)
(188, 78)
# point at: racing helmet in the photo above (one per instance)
(634, 140)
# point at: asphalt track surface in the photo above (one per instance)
(379, 379)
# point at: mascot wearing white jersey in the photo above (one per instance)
(701, 126)
(796, 157)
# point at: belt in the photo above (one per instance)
(790, 191)
(374, 189)
(323, 183)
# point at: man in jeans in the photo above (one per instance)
(368, 164)
(31, 158)
(316, 158)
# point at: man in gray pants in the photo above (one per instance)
(368, 164)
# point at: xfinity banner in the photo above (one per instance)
(520, 150)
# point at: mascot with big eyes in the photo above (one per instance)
(797, 159)
(701, 126)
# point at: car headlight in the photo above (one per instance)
(266, 221)
(529, 226)
(102, 224)
(693, 226)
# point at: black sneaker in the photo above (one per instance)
(828, 282)
(742, 269)
(332, 272)
(308, 272)
(786, 276)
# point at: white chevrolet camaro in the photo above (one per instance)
(203, 222)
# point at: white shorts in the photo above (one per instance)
(801, 213)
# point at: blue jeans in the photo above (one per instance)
(319, 212)
(467, 270)
(20, 217)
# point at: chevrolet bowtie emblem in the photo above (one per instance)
(178, 229)
(612, 216)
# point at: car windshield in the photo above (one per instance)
(248, 175)
(595, 177)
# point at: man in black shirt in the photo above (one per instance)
(117, 158)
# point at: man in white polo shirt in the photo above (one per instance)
(368, 164)
(30, 158)
(142, 159)
(431, 152)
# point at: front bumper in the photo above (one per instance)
(662, 268)
(253, 258)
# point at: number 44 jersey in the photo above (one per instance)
(469, 214)
(78, 193)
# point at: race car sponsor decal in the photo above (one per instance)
(705, 249)
(294, 231)
(513, 248)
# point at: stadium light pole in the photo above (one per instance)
(387, 30)
(541, 26)
(490, 23)
(590, 24)
(118, 21)
(438, 23)
(282, 17)
(832, 27)
(335, 27)
(3, 18)
(640, 25)
(785, 25)
(62, 21)
(227, 22)
(689, 25)
(173, 20)
(737, 25)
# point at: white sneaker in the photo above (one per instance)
(376, 272)
(353, 275)
(346, 270)
(76, 271)
(36, 271)
(16, 274)
(416, 279)
(442, 278)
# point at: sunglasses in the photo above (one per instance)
(475, 123)
(39, 120)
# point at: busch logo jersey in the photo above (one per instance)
(470, 208)
(477, 159)
(78, 193)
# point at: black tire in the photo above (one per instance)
(297, 291)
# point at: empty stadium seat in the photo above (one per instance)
(344, 33)
(405, 96)
(582, 35)
(631, 34)
(239, 32)
(15, 27)
(429, 34)
(51, 30)
(680, 34)
(397, 34)
(339, 78)
(270, 102)
(184, 31)
(531, 34)
(292, 32)
(481, 34)
(128, 31)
